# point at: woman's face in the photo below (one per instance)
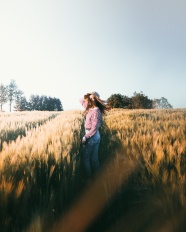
(92, 97)
(89, 97)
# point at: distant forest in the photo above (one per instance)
(12, 95)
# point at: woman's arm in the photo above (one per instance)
(96, 121)
(83, 102)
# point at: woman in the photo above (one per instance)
(94, 108)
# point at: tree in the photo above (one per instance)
(34, 102)
(161, 103)
(3, 96)
(118, 101)
(140, 101)
(24, 105)
(54, 104)
(57, 104)
(44, 103)
(156, 104)
(18, 99)
(127, 102)
(11, 92)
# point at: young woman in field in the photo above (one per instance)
(94, 108)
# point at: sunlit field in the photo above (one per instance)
(17, 124)
(141, 185)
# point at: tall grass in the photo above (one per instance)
(156, 136)
(140, 187)
(37, 169)
(155, 140)
(17, 124)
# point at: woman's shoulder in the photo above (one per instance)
(96, 111)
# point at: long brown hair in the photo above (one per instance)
(99, 103)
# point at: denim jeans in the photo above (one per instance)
(90, 154)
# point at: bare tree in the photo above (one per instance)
(3, 96)
(161, 103)
(11, 89)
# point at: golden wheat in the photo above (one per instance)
(17, 124)
(48, 151)
(55, 137)
(156, 135)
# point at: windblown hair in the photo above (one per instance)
(90, 103)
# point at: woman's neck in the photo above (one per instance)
(93, 106)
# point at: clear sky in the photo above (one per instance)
(66, 48)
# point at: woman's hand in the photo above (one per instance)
(83, 140)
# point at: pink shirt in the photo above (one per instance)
(93, 119)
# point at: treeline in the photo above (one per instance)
(36, 102)
(14, 96)
(137, 101)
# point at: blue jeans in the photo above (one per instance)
(90, 154)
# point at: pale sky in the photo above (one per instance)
(66, 48)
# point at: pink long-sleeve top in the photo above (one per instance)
(92, 121)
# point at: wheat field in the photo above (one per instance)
(141, 185)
